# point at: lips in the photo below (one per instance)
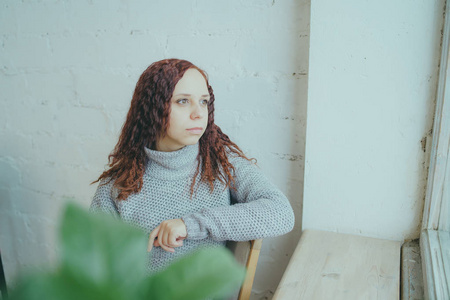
(195, 130)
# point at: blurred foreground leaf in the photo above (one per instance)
(105, 258)
(208, 272)
(103, 251)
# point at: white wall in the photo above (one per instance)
(67, 74)
(372, 86)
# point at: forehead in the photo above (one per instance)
(192, 82)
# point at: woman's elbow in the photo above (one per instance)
(289, 219)
(286, 218)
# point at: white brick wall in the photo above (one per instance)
(67, 73)
(371, 97)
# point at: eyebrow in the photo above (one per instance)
(187, 95)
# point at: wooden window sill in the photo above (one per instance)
(329, 265)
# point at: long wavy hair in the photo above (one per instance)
(148, 119)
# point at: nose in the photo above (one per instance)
(198, 112)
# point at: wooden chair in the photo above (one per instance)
(247, 254)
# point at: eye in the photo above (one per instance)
(204, 101)
(182, 101)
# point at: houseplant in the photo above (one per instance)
(102, 257)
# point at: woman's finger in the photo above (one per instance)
(173, 240)
(179, 242)
(162, 237)
(167, 248)
(152, 237)
(169, 235)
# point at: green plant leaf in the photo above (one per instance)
(102, 250)
(60, 286)
(203, 274)
(103, 258)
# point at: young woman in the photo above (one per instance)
(178, 177)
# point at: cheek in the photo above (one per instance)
(175, 122)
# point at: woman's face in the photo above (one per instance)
(189, 112)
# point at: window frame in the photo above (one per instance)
(435, 235)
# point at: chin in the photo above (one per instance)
(191, 141)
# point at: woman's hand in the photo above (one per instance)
(170, 234)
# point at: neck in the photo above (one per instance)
(172, 163)
(165, 148)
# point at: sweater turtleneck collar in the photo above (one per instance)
(172, 165)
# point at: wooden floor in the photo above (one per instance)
(327, 265)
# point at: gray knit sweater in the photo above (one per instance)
(257, 209)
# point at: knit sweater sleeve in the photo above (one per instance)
(261, 210)
(103, 200)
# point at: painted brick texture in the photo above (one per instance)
(67, 74)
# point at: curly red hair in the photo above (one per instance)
(147, 120)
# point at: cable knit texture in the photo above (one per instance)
(257, 209)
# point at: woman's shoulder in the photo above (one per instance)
(107, 186)
(239, 160)
(106, 181)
